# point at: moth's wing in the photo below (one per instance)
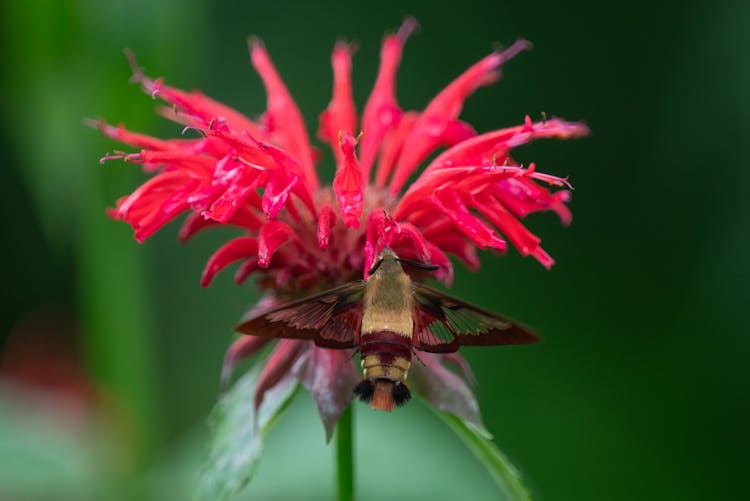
(443, 323)
(332, 318)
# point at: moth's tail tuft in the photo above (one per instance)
(382, 397)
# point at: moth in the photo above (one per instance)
(387, 316)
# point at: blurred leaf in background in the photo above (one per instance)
(639, 390)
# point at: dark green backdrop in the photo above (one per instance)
(639, 390)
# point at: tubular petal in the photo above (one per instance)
(234, 250)
(120, 133)
(526, 242)
(438, 257)
(446, 107)
(272, 236)
(449, 202)
(285, 117)
(340, 117)
(276, 194)
(246, 269)
(413, 240)
(326, 221)
(349, 184)
(392, 146)
(287, 167)
(239, 183)
(199, 109)
(375, 242)
(382, 113)
(484, 149)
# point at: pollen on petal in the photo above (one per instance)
(234, 250)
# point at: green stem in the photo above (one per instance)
(345, 457)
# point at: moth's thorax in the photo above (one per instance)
(388, 301)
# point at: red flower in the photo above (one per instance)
(299, 236)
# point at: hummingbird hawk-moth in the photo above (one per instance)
(387, 316)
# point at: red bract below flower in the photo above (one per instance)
(300, 237)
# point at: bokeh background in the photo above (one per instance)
(110, 352)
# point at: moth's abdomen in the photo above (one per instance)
(386, 357)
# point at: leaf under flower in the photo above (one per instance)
(507, 477)
(237, 434)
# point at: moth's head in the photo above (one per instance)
(389, 261)
(386, 261)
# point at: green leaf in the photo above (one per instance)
(479, 442)
(237, 434)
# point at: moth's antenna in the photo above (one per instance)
(417, 264)
(375, 266)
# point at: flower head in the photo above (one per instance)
(299, 236)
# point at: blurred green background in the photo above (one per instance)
(110, 351)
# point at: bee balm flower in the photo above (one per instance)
(300, 236)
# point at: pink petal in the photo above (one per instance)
(329, 376)
(272, 236)
(234, 250)
(286, 119)
(460, 363)
(427, 132)
(382, 113)
(449, 202)
(444, 389)
(278, 365)
(340, 117)
(349, 184)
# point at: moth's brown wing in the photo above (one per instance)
(332, 318)
(443, 323)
